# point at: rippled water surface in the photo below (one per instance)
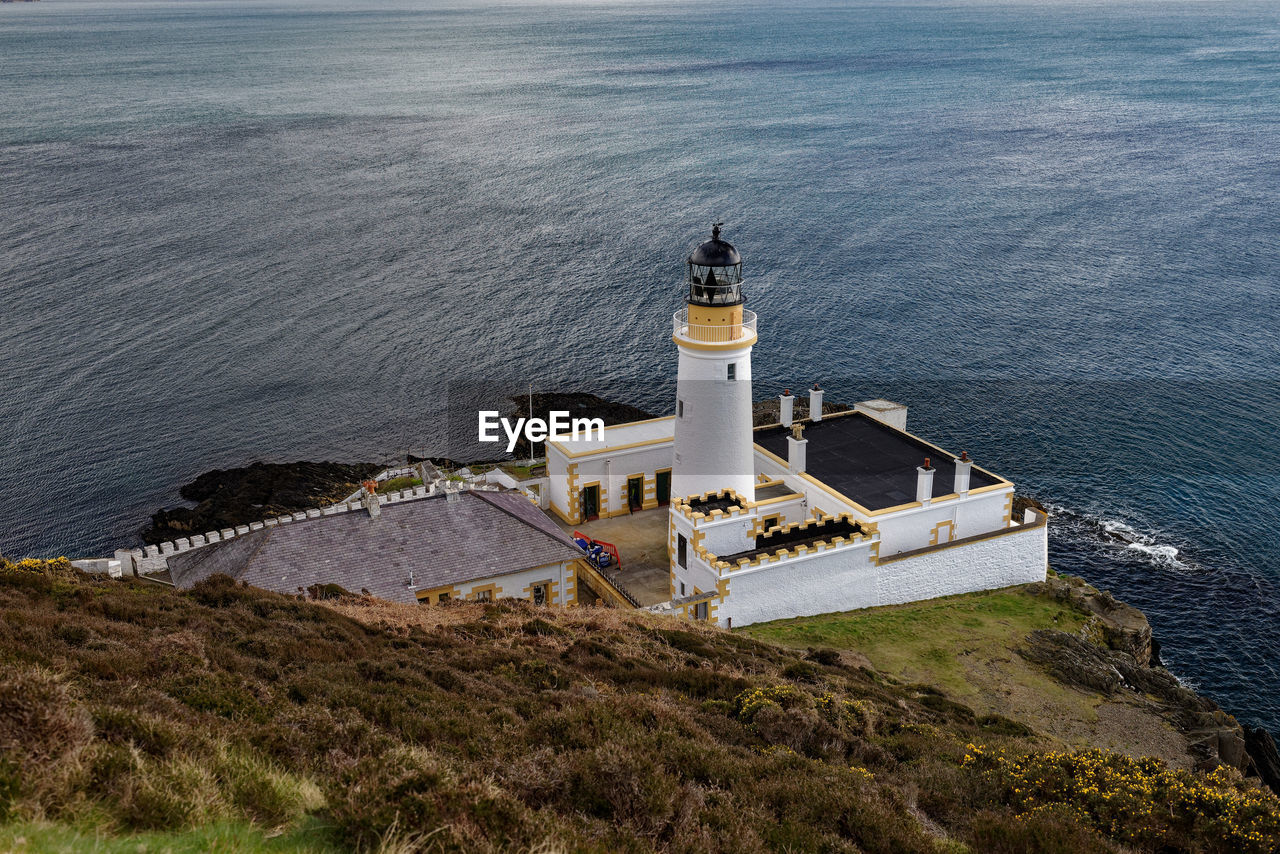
(282, 230)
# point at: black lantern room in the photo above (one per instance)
(715, 272)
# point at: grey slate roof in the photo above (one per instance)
(480, 535)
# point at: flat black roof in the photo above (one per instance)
(720, 501)
(868, 461)
(773, 541)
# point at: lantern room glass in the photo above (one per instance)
(715, 285)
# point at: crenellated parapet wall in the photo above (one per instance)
(738, 508)
(802, 550)
(796, 551)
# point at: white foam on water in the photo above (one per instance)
(1115, 526)
(1121, 534)
(1161, 554)
(1184, 681)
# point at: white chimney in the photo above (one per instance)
(963, 466)
(796, 449)
(924, 482)
(370, 499)
(815, 403)
(787, 408)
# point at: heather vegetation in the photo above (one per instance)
(145, 718)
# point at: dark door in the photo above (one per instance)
(591, 502)
(635, 493)
(663, 484)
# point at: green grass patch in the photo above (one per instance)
(396, 484)
(937, 641)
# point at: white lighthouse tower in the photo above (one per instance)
(713, 440)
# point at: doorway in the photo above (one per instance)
(662, 484)
(591, 502)
(635, 493)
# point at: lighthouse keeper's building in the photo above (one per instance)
(827, 513)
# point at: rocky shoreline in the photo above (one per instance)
(225, 498)
(1115, 653)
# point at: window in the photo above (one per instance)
(700, 611)
(680, 409)
(442, 598)
(484, 595)
(539, 594)
(771, 522)
(681, 588)
(733, 371)
(682, 551)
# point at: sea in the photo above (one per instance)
(239, 230)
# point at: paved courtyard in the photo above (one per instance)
(641, 539)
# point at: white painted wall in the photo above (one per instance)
(713, 441)
(792, 510)
(911, 529)
(847, 579)
(727, 535)
(1018, 557)
(557, 478)
(612, 468)
(838, 580)
(641, 448)
(696, 575)
(513, 585)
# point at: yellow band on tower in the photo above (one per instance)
(715, 323)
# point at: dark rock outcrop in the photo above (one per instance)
(1114, 652)
(225, 498)
(1023, 503)
(1262, 750)
(1118, 626)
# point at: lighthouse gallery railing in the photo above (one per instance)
(713, 334)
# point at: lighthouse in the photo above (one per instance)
(714, 335)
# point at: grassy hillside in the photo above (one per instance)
(139, 718)
(965, 646)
